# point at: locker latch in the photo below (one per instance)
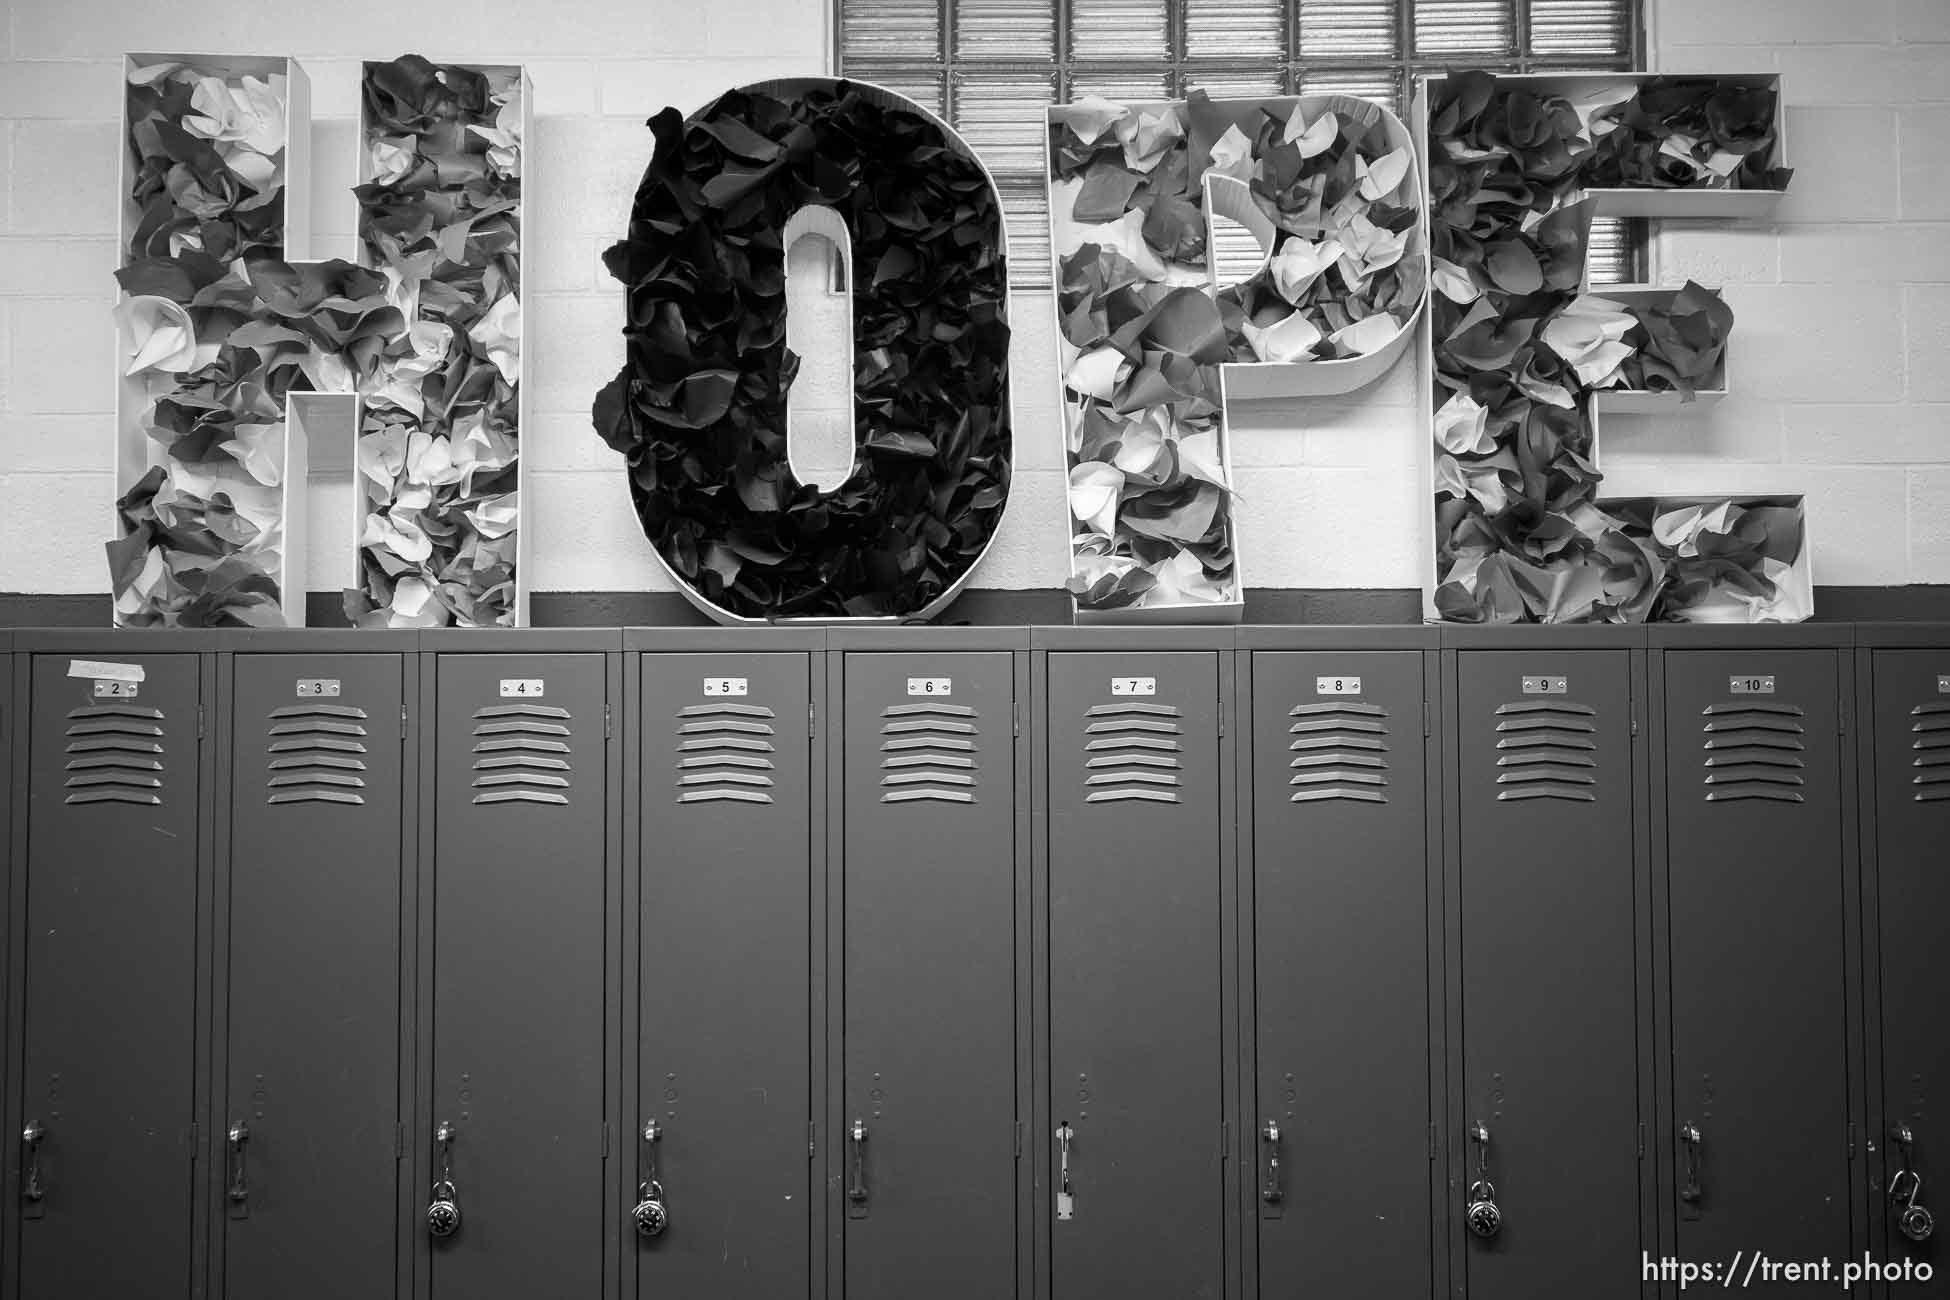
(240, 1189)
(856, 1185)
(650, 1216)
(32, 1190)
(1066, 1204)
(443, 1212)
(1481, 1212)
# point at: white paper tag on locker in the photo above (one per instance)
(930, 686)
(1066, 1207)
(112, 690)
(105, 672)
(1750, 685)
(1133, 686)
(1337, 686)
(318, 688)
(524, 688)
(727, 686)
(1546, 685)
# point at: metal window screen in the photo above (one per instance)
(989, 66)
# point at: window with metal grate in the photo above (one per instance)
(990, 66)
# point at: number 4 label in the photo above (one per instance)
(527, 688)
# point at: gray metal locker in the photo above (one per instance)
(312, 843)
(1338, 894)
(12, 732)
(1907, 826)
(517, 931)
(1138, 1000)
(933, 881)
(1756, 872)
(724, 797)
(1544, 1026)
(105, 913)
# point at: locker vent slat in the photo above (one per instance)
(929, 753)
(1754, 752)
(317, 754)
(722, 753)
(115, 754)
(521, 754)
(1546, 749)
(1931, 727)
(1339, 753)
(1131, 754)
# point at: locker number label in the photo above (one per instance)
(1750, 685)
(930, 686)
(1546, 685)
(1133, 686)
(521, 688)
(105, 672)
(727, 686)
(111, 690)
(318, 688)
(1337, 686)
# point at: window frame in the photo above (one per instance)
(1405, 63)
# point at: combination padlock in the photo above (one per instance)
(1484, 1219)
(443, 1213)
(650, 1215)
(1914, 1221)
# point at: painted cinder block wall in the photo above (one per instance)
(1841, 363)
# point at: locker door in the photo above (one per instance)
(1549, 984)
(109, 1038)
(1759, 1029)
(312, 1068)
(725, 1036)
(1135, 975)
(930, 976)
(1341, 888)
(1912, 825)
(518, 976)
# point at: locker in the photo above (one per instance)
(516, 929)
(314, 838)
(1910, 739)
(1137, 1000)
(724, 975)
(929, 960)
(1340, 887)
(10, 733)
(1909, 825)
(1755, 872)
(1548, 1104)
(105, 915)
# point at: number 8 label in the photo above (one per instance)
(1524, 359)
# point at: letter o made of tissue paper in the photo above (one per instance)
(699, 408)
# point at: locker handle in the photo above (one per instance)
(240, 1135)
(443, 1211)
(1692, 1192)
(1273, 1190)
(32, 1189)
(856, 1137)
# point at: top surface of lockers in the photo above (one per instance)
(918, 637)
